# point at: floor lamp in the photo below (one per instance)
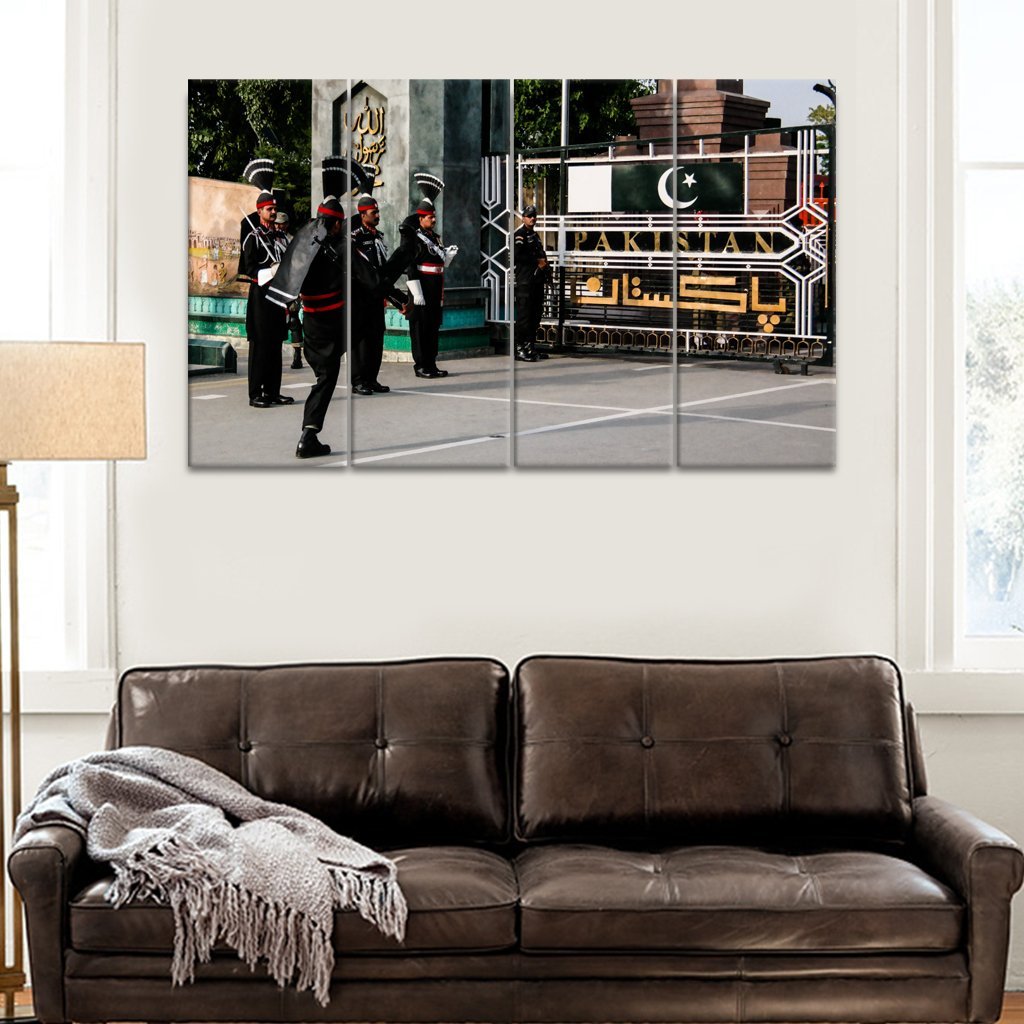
(58, 400)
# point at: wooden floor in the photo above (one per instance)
(1013, 1006)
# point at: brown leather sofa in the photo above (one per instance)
(602, 840)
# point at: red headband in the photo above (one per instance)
(368, 206)
(423, 213)
(266, 202)
(325, 211)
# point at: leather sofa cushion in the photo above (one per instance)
(675, 751)
(391, 753)
(459, 898)
(721, 899)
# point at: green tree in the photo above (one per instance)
(599, 110)
(995, 439)
(823, 113)
(232, 121)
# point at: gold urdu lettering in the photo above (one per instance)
(712, 301)
(593, 284)
(755, 299)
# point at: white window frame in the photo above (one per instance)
(946, 672)
(83, 307)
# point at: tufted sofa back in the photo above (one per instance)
(675, 751)
(392, 753)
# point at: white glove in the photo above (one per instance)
(416, 291)
(266, 274)
(450, 253)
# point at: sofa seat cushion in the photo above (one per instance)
(459, 898)
(729, 898)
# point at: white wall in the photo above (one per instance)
(717, 563)
(222, 566)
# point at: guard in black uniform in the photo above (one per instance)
(313, 270)
(423, 259)
(262, 246)
(369, 304)
(532, 274)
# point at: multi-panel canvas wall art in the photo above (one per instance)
(391, 273)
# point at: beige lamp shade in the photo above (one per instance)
(72, 400)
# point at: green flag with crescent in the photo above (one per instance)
(696, 187)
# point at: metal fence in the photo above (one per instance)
(731, 245)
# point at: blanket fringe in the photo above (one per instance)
(377, 898)
(207, 909)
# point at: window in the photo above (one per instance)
(59, 135)
(989, 342)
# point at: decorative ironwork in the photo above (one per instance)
(494, 235)
(753, 283)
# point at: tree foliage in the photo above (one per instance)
(823, 113)
(232, 121)
(995, 440)
(599, 110)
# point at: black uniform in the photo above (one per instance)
(421, 255)
(265, 323)
(369, 301)
(313, 270)
(530, 282)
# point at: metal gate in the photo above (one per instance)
(732, 245)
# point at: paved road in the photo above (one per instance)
(568, 411)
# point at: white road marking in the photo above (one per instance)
(683, 366)
(307, 384)
(446, 394)
(203, 398)
(428, 448)
(766, 423)
(519, 401)
(749, 394)
(595, 419)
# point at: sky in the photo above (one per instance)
(791, 98)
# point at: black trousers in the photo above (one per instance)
(529, 310)
(324, 343)
(266, 326)
(425, 324)
(367, 340)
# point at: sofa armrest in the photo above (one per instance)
(985, 867)
(43, 866)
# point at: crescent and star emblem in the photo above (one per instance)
(688, 179)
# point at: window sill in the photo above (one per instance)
(966, 692)
(81, 692)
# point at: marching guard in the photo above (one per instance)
(313, 270)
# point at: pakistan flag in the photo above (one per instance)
(696, 187)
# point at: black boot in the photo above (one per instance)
(296, 358)
(526, 354)
(310, 445)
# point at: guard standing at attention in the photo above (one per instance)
(369, 251)
(423, 259)
(532, 274)
(262, 247)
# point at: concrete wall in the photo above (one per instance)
(695, 563)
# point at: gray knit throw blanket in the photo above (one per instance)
(265, 878)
